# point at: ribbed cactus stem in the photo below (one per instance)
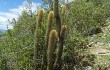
(51, 49)
(50, 17)
(63, 12)
(57, 16)
(40, 17)
(49, 26)
(48, 29)
(58, 61)
(37, 39)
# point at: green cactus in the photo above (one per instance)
(51, 49)
(57, 16)
(58, 63)
(37, 37)
(48, 29)
(40, 17)
(60, 29)
(63, 29)
(63, 12)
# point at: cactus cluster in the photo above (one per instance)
(54, 40)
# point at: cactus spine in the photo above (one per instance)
(58, 62)
(61, 31)
(53, 37)
(37, 36)
(63, 12)
(40, 17)
(49, 26)
(51, 49)
(48, 29)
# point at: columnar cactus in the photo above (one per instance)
(48, 29)
(36, 39)
(57, 64)
(57, 16)
(63, 12)
(63, 29)
(51, 49)
(60, 29)
(40, 17)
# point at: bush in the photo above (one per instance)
(85, 16)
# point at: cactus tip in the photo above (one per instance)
(53, 34)
(63, 29)
(63, 9)
(40, 16)
(51, 15)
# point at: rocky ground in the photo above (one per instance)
(101, 47)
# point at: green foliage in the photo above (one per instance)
(76, 54)
(82, 16)
(19, 42)
(85, 16)
(83, 19)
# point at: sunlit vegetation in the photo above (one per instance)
(56, 37)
